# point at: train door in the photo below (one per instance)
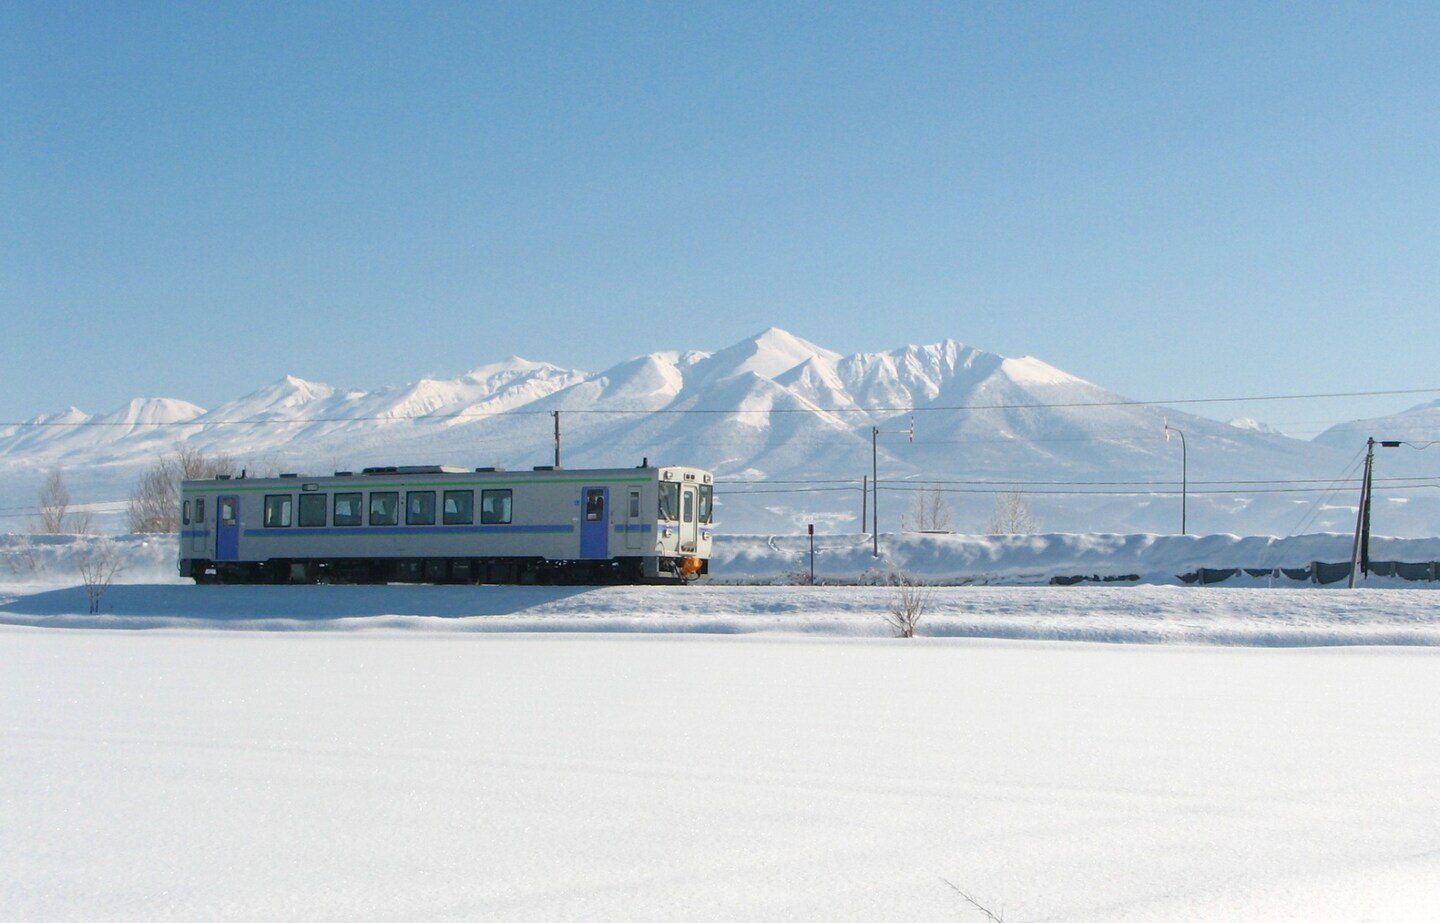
(227, 528)
(634, 533)
(595, 522)
(689, 520)
(197, 526)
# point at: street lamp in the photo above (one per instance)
(875, 432)
(1184, 472)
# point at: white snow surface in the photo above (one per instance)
(713, 752)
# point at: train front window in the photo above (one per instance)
(385, 508)
(669, 501)
(707, 503)
(185, 513)
(199, 509)
(277, 510)
(347, 509)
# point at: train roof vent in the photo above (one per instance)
(490, 470)
(290, 474)
(344, 474)
(547, 468)
(414, 469)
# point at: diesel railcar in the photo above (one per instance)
(440, 524)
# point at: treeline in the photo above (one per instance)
(153, 505)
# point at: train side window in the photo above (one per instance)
(277, 510)
(495, 506)
(227, 511)
(707, 503)
(420, 508)
(200, 509)
(312, 510)
(347, 509)
(185, 513)
(669, 501)
(385, 508)
(459, 507)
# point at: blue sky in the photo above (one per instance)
(1173, 201)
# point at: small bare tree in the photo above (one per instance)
(928, 511)
(1012, 515)
(22, 560)
(56, 515)
(193, 464)
(155, 502)
(99, 564)
(908, 606)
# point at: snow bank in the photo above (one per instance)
(1147, 615)
(1268, 612)
(55, 559)
(1011, 560)
(1000, 560)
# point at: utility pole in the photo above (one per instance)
(556, 415)
(875, 484)
(1360, 552)
(864, 501)
(875, 432)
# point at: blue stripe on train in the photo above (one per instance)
(287, 531)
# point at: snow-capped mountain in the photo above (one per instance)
(1420, 425)
(75, 432)
(788, 426)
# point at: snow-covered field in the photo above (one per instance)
(717, 753)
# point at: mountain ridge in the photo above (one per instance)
(773, 408)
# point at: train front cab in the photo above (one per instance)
(683, 531)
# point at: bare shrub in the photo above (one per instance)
(908, 606)
(99, 564)
(22, 561)
(928, 511)
(56, 515)
(1013, 515)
